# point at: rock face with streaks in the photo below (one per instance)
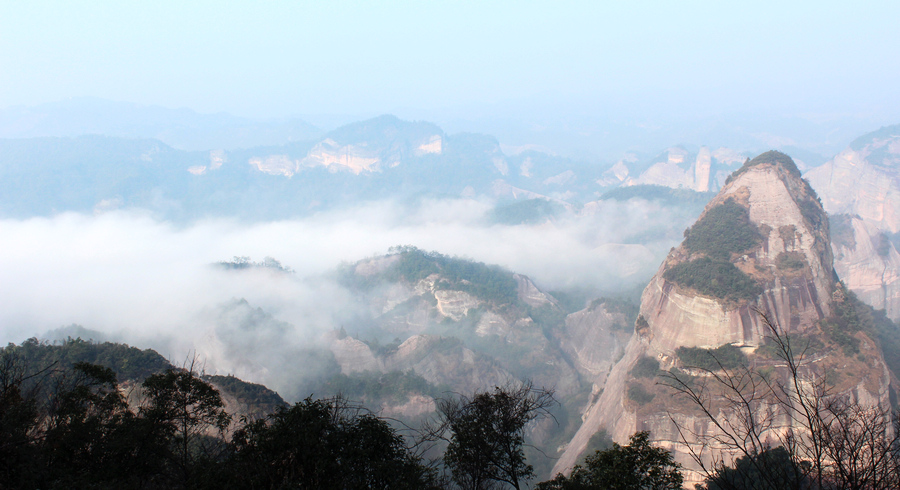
(867, 261)
(860, 189)
(761, 243)
(863, 180)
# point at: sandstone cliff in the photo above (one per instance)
(861, 187)
(676, 167)
(867, 262)
(863, 180)
(762, 242)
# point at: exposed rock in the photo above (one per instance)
(275, 165)
(594, 338)
(868, 263)
(678, 168)
(455, 304)
(530, 294)
(797, 294)
(863, 180)
(355, 356)
(416, 406)
(447, 361)
(862, 184)
(354, 158)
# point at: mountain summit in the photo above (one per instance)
(761, 245)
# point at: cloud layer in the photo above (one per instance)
(151, 283)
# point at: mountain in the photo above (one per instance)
(867, 260)
(860, 188)
(380, 158)
(761, 243)
(425, 325)
(132, 366)
(702, 171)
(863, 180)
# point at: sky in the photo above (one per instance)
(446, 59)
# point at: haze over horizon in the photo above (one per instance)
(527, 73)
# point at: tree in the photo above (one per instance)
(637, 466)
(323, 444)
(829, 440)
(183, 409)
(747, 472)
(488, 434)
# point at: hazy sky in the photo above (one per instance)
(273, 59)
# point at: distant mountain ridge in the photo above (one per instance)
(179, 128)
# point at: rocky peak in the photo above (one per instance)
(761, 245)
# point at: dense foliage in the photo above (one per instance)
(724, 229)
(488, 434)
(67, 426)
(491, 283)
(127, 362)
(746, 472)
(850, 316)
(790, 261)
(637, 465)
(243, 262)
(638, 394)
(716, 278)
(725, 356)
(323, 444)
(645, 367)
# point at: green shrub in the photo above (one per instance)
(638, 394)
(716, 278)
(723, 357)
(488, 282)
(790, 261)
(645, 367)
(723, 230)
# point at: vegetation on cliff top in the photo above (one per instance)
(773, 157)
(487, 282)
(716, 278)
(723, 357)
(724, 229)
(127, 362)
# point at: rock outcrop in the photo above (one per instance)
(867, 262)
(860, 188)
(676, 167)
(864, 180)
(761, 243)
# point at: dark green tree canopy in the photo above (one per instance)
(637, 466)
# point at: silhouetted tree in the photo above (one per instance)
(637, 466)
(324, 444)
(487, 434)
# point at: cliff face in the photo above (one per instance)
(867, 262)
(863, 180)
(860, 187)
(703, 171)
(762, 242)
